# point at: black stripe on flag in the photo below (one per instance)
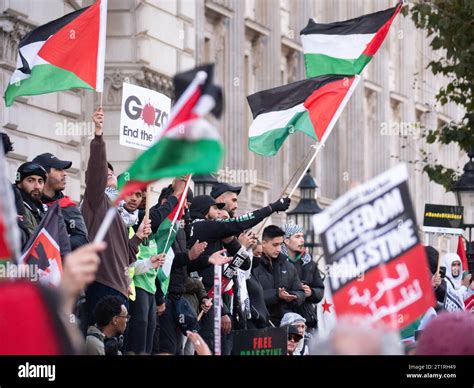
(182, 80)
(365, 24)
(46, 30)
(287, 96)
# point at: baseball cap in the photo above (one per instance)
(222, 187)
(48, 161)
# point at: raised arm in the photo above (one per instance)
(96, 174)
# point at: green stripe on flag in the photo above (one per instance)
(320, 64)
(44, 78)
(175, 157)
(269, 142)
(161, 238)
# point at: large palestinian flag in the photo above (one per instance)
(66, 53)
(311, 106)
(345, 47)
(188, 144)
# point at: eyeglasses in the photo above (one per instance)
(128, 316)
(294, 337)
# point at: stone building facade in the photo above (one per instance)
(255, 45)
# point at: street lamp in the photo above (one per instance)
(203, 184)
(464, 192)
(305, 209)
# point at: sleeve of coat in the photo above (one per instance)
(222, 229)
(296, 288)
(76, 227)
(317, 287)
(159, 212)
(64, 239)
(96, 173)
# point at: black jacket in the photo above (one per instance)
(260, 314)
(73, 219)
(180, 268)
(279, 273)
(308, 273)
(214, 231)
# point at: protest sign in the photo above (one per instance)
(443, 219)
(377, 265)
(144, 114)
(262, 342)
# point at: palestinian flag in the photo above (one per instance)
(188, 144)
(166, 235)
(45, 248)
(345, 47)
(66, 53)
(311, 106)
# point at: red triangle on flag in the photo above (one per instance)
(323, 104)
(75, 46)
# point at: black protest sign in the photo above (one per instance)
(443, 219)
(262, 342)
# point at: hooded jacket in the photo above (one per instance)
(274, 274)
(454, 282)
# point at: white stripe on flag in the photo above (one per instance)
(269, 121)
(193, 130)
(30, 53)
(336, 46)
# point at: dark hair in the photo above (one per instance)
(433, 256)
(165, 193)
(107, 308)
(7, 143)
(110, 166)
(272, 231)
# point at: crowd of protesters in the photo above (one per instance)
(113, 291)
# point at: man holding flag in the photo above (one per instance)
(112, 276)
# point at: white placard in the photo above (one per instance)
(144, 113)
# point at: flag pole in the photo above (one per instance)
(288, 184)
(105, 225)
(180, 206)
(320, 145)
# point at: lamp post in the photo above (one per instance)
(305, 209)
(203, 184)
(464, 192)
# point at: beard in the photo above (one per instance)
(35, 195)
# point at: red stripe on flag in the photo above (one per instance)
(75, 46)
(462, 254)
(323, 103)
(129, 188)
(186, 113)
(379, 37)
